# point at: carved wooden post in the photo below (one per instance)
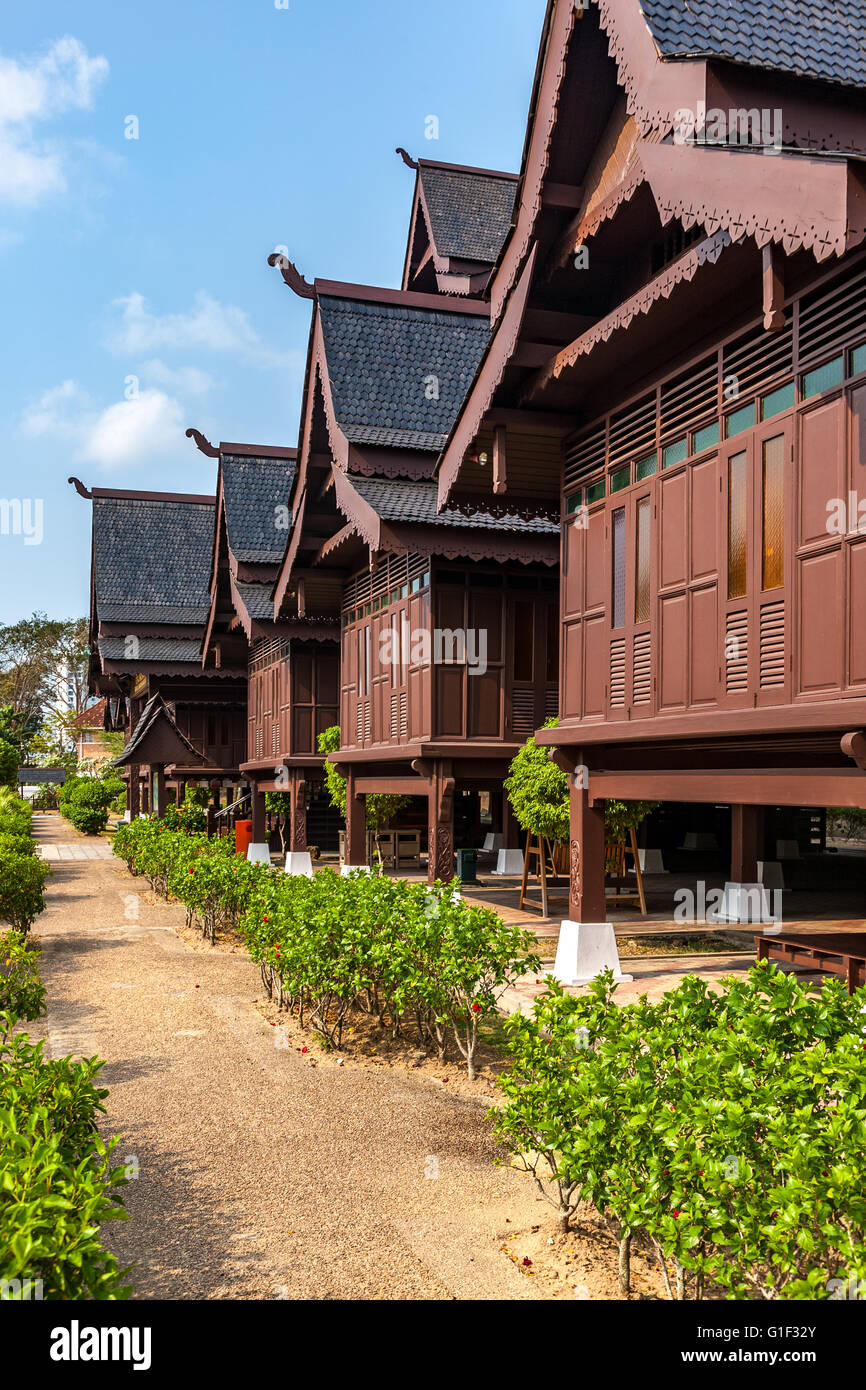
(179, 793)
(440, 845)
(298, 828)
(134, 792)
(586, 889)
(356, 825)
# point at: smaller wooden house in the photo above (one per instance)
(150, 603)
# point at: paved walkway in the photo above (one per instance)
(261, 1174)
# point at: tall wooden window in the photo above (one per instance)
(618, 568)
(642, 562)
(738, 507)
(773, 507)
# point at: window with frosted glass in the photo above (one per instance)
(823, 378)
(773, 561)
(642, 565)
(618, 596)
(738, 505)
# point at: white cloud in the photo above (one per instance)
(147, 428)
(62, 79)
(208, 325)
(187, 381)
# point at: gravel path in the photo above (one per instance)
(261, 1175)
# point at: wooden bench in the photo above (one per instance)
(826, 953)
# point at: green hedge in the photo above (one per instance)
(728, 1130)
(56, 1181)
(416, 958)
(22, 875)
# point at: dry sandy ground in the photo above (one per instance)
(262, 1173)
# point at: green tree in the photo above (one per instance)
(9, 755)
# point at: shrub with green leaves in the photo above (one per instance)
(57, 1184)
(22, 884)
(22, 993)
(87, 803)
(416, 958)
(728, 1130)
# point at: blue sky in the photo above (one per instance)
(135, 290)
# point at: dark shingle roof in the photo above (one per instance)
(257, 600)
(152, 560)
(469, 212)
(256, 494)
(806, 37)
(168, 650)
(399, 375)
(397, 500)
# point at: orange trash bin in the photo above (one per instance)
(243, 836)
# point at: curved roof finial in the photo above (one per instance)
(292, 276)
(80, 488)
(406, 158)
(203, 444)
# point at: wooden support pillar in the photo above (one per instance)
(145, 794)
(133, 795)
(511, 837)
(500, 477)
(216, 798)
(179, 793)
(257, 799)
(160, 801)
(298, 828)
(747, 842)
(586, 874)
(356, 825)
(440, 842)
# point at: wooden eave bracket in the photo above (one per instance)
(80, 488)
(202, 444)
(774, 287)
(292, 276)
(854, 747)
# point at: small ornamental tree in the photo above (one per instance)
(280, 804)
(539, 795)
(380, 806)
(22, 881)
(22, 993)
(9, 763)
(538, 791)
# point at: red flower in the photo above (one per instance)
(476, 1008)
(192, 871)
(526, 1262)
(675, 1214)
(265, 918)
(305, 1049)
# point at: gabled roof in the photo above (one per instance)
(397, 373)
(151, 559)
(165, 650)
(156, 738)
(808, 38)
(91, 718)
(256, 492)
(468, 210)
(398, 500)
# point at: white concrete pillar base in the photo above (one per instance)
(584, 950)
(751, 903)
(347, 869)
(258, 854)
(651, 861)
(299, 863)
(509, 861)
(770, 873)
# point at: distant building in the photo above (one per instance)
(91, 739)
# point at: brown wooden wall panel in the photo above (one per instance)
(703, 530)
(857, 474)
(571, 686)
(673, 622)
(595, 566)
(448, 684)
(595, 666)
(704, 647)
(673, 540)
(572, 587)
(821, 622)
(484, 705)
(822, 466)
(857, 613)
